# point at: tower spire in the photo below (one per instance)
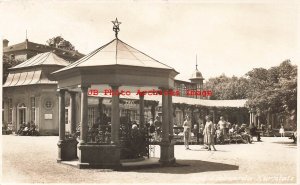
(196, 63)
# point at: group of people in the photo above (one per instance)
(28, 129)
(220, 132)
(208, 133)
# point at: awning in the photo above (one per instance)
(185, 100)
(26, 78)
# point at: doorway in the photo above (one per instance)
(21, 114)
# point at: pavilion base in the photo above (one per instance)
(99, 156)
(125, 165)
(167, 154)
(67, 150)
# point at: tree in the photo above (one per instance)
(60, 42)
(226, 88)
(8, 63)
(274, 89)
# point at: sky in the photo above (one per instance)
(228, 37)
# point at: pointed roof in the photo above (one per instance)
(47, 58)
(116, 52)
(196, 75)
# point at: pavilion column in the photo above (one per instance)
(61, 124)
(255, 119)
(84, 115)
(166, 146)
(171, 116)
(142, 105)
(61, 114)
(14, 119)
(214, 115)
(73, 112)
(115, 116)
(165, 117)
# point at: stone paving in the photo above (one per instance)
(33, 160)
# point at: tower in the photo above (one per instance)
(197, 79)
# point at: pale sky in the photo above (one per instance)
(228, 37)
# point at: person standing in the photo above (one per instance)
(209, 133)
(222, 126)
(187, 132)
(281, 131)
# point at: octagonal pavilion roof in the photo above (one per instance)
(116, 52)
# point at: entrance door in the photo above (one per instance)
(22, 116)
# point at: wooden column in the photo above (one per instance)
(142, 105)
(61, 124)
(214, 115)
(84, 115)
(166, 146)
(73, 112)
(171, 116)
(14, 118)
(165, 117)
(115, 116)
(255, 119)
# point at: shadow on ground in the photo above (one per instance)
(189, 166)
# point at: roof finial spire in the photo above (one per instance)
(196, 63)
(116, 28)
(26, 35)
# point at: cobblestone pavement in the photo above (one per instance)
(33, 159)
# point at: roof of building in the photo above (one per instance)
(27, 45)
(117, 52)
(197, 75)
(34, 75)
(47, 58)
(186, 100)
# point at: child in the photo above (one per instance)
(281, 131)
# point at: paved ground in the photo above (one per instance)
(33, 159)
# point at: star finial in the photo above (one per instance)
(116, 28)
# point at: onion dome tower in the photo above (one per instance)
(197, 79)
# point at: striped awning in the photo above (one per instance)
(26, 78)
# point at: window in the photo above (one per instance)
(32, 103)
(10, 108)
(48, 104)
(91, 116)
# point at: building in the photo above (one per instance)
(29, 95)
(27, 49)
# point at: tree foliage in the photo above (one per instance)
(274, 89)
(60, 42)
(227, 88)
(8, 63)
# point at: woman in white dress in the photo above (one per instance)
(187, 132)
(209, 133)
(281, 131)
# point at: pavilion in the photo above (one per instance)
(115, 64)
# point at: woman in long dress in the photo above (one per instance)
(187, 132)
(209, 133)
